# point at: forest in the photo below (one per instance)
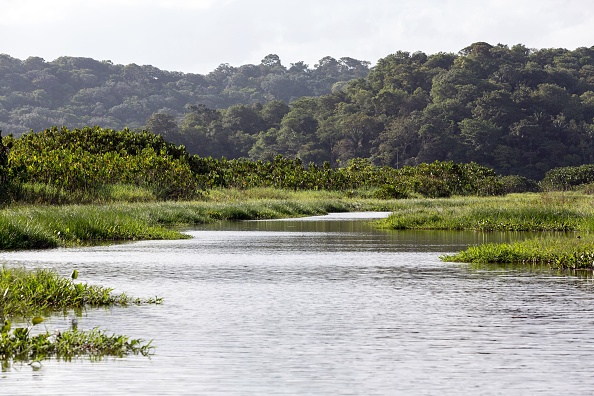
(78, 92)
(517, 110)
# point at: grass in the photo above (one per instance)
(40, 193)
(556, 252)
(30, 293)
(560, 212)
(24, 293)
(20, 345)
(43, 226)
(515, 212)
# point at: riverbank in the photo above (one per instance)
(564, 213)
(559, 211)
(43, 226)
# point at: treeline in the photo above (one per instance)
(72, 162)
(77, 92)
(516, 110)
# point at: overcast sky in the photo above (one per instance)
(195, 36)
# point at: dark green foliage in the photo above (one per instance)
(512, 109)
(515, 110)
(36, 94)
(518, 184)
(4, 177)
(566, 178)
(439, 179)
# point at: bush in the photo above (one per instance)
(565, 178)
(518, 184)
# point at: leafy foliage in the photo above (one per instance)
(35, 94)
(567, 177)
(516, 110)
(438, 179)
(89, 158)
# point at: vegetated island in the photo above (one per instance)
(565, 218)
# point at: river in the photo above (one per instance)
(321, 306)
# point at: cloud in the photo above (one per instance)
(198, 35)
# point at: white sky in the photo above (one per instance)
(195, 36)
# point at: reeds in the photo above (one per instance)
(516, 212)
(24, 293)
(40, 226)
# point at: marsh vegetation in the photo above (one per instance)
(28, 295)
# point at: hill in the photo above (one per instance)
(78, 92)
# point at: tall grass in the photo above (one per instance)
(24, 293)
(557, 252)
(515, 212)
(39, 226)
(42, 193)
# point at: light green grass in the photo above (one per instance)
(43, 226)
(515, 212)
(557, 252)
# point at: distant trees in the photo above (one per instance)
(77, 92)
(517, 110)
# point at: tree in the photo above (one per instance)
(162, 124)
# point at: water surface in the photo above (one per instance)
(321, 306)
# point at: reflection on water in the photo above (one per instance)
(323, 307)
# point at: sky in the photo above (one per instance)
(196, 36)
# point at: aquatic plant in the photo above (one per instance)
(558, 252)
(25, 293)
(30, 293)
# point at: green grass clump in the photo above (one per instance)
(24, 293)
(41, 227)
(557, 252)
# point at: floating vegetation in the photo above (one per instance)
(19, 345)
(25, 293)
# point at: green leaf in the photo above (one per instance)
(5, 327)
(74, 274)
(36, 320)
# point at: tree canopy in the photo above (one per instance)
(517, 110)
(78, 92)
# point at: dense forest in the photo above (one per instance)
(516, 110)
(78, 92)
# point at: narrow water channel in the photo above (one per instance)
(321, 306)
